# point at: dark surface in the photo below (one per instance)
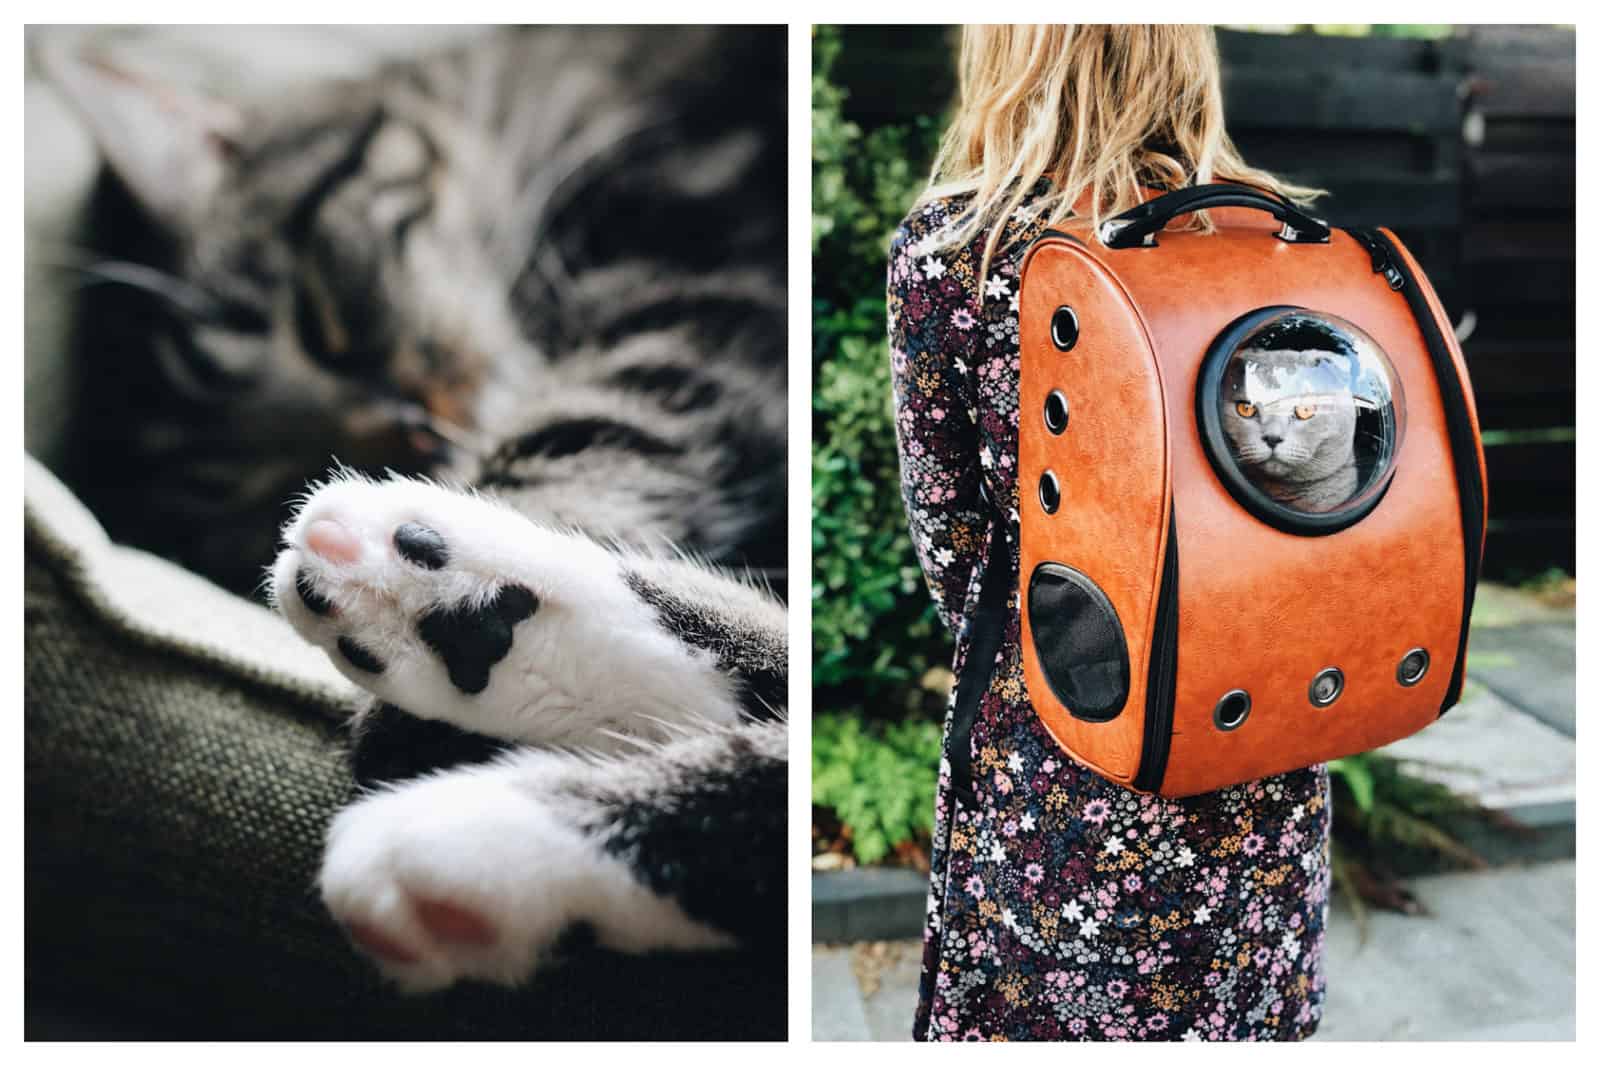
(387, 744)
(1083, 652)
(174, 820)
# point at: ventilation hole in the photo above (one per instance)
(1326, 687)
(1232, 710)
(1064, 328)
(1413, 667)
(1055, 412)
(1049, 492)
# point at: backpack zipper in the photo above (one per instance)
(1160, 688)
(1382, 257)
(988, 629)
(1463, 450)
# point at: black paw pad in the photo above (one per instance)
(471, 641)
(418, 544)
(360, 657)
(315, 601)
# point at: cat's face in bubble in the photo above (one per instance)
(1287, 416)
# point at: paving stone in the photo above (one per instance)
(1526, 652)
(890, 1008)
(1509, 761)
(837, 1012)
(1531, 666)
(1494, 959)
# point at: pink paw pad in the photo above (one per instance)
(449, 922)
(379, 944)
(333, 542)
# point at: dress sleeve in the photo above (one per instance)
(933, 319)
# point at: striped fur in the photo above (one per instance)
(550, 263)
(551, 266)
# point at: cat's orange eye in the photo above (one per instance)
(1245, 408)
(1305, 410)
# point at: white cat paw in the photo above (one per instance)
(454, 607)
(467, 876)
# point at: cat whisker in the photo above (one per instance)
(178, 295)
(457, 435)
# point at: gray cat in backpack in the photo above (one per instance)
(1296, 446)
(516, 314)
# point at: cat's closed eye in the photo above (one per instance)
(1245, 408)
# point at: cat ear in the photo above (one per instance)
(169, 146)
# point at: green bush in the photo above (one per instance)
(874, 629)
(879, 778)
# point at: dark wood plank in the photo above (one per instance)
(1341, 99)
(1531, 480)
(1523, 384)
(1310, 51)
(1510, 242)
(1498, 284)
(1541, 179)
(1525, 547)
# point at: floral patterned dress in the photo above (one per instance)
(1062, 905)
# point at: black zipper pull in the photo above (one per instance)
(1392, 274)
(1381, 263)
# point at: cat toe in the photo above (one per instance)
(381, 945)
(311, 597)
(452, 923)
(421, 545)
(332, 542)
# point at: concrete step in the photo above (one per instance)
(1511, 741)
(1495, 958)
(1506, 759)
(867, 903)
(1525, 651)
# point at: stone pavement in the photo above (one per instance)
(1511, 742)
(1494, 958)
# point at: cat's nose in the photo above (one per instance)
(1271, 441)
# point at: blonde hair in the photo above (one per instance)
(1104, 112)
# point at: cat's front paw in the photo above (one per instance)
(453, 607)
(467, 875)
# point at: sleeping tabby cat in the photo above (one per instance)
(548, 266)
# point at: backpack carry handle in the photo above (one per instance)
(1137, 227)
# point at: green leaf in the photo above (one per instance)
(1357, 776)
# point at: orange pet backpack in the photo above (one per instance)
(1251, 492)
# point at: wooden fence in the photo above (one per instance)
(1465, 146)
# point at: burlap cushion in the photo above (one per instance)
(182, 760)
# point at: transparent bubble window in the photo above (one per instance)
(1302, 415)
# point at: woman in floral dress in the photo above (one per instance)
(1062, 905)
